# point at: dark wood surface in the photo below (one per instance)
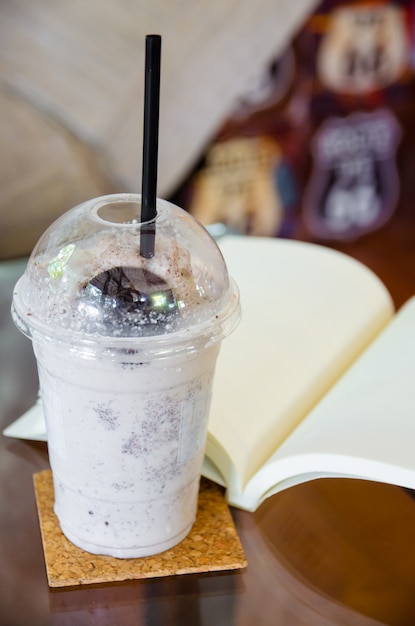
(332, 551)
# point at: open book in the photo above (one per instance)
(318, 379)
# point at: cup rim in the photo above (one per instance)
(186, 340)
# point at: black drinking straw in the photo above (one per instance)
(150, 145)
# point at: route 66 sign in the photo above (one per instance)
(354, 185)
(364, 48)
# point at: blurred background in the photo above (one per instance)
(322, 146)
(71, 95)
(279, 119)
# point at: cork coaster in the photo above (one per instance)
(211, 546)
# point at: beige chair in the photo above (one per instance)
(71, 94)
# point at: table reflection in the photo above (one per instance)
(348, 542)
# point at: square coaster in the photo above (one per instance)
(212, 545)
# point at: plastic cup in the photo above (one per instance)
(126, 380)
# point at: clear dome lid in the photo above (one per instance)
(86, 275)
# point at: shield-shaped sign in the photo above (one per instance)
(354, 185)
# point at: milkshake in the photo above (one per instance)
(126, 349)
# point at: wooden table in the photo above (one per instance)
(327, 552)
